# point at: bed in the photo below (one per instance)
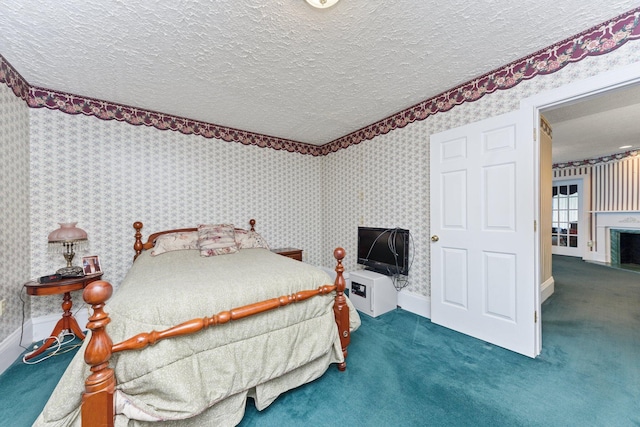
(243, 323)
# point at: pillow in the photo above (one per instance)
(216, 239)
(175, 242)
(246, 239)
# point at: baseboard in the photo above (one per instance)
(421, 305)
(10, 348)
(39, 328)
(547, 289)
(43, 325)
(415, 303)
(412, 302)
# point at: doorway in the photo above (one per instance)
(590, 178)
(566, 97)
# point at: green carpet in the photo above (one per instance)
(405, 370)
(24, 389)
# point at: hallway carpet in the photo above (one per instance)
(405, 370)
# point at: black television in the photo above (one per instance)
(384, 250)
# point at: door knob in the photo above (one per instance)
(434, 238)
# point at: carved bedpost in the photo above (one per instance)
(340, 307)
(137, 246)
(252, 223)
(97, 400)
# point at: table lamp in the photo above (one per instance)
(64, 240)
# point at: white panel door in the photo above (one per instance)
(482, 226)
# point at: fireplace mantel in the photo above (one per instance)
(604, 222)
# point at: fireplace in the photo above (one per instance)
(625, 246)
(608, 227)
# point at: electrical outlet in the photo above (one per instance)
(1, 307)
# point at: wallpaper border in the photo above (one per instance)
(597, 160)
(75, 104)
(598, 40)
(12, 78)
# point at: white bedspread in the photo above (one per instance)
(206, 377)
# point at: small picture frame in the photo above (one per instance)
(91, 265)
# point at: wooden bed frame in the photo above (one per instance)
(98, 401)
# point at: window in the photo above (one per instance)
(565, 211)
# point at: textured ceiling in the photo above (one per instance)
(279, 67)
(596, 126)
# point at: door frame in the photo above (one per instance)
(567, 94)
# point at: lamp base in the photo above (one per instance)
(71, 272)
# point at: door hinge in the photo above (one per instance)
(535, 226)
(535, 134)
(535, 316)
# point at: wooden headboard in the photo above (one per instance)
(138, 246)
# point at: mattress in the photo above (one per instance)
(206, 377)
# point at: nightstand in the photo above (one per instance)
(68, 322)
(292, 253)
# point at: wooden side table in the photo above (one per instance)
(292, 253)
(67, 322)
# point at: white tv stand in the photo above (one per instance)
(372, 293)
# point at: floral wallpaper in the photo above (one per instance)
(386, 180)
(14, 221)
(106, 174)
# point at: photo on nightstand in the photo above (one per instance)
(91, 264)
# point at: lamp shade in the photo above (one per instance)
(68, 232)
